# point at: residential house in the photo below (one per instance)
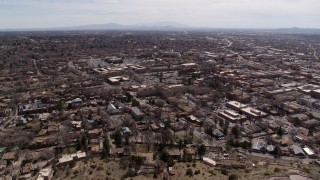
(136, 113)
(10, 156)
(310, 123)
(174, 153)
(297, 151)
(45, 174)
(259, 146)
(218, 134)
(94, 133)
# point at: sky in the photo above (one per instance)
(197, 13)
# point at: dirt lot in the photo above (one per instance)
(92, 169)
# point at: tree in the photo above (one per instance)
(280, 131)
(165, 157)
(225, 130)
(189, 172)
(236, 131)
(180, 144)
(126, 142)
(83, 140)
(209, 130)
(60, 105)
(296, 122)
(90, 116)
(233, 177)
(79, 145)
(277, 151)
(310, 131)
(103, 154)
(118, 139)
(138, 160)
(166, 136)
(246, 145)
(224, 171)
(201, 150)
(106, 146)
(310, 115)
(160, 77)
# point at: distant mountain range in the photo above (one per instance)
(111, 26)
(165, 26)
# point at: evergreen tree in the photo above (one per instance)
(106, 146)
(79, 145)
(118, 139)
(201, 150)
(236, 131)
(84, 141)
(180, 144)
(277, 151)
(280, 131)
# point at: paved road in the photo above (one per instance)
(315, 55)
(36, 67)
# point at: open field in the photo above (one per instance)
(95, 169)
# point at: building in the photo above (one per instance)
(36, 107)
(175, 154)
(70, 157)
(238, 95)
(193, 119)
(236, 105)
(218, 134)
(259, 146)
(307, 101)
(310, 123)
(125, 130)
(112, 110)
(309, 152)
(10, 156)
(136, 113)
(209, 161)
(114, 81)
(44, 117)
(254, 113)
(297, 151)
(232, 116)
(292, 107)
(45, 174)
(315, 93)
(114, 60)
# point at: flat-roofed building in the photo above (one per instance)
(315, 93)
(236, 105)
(193, 119)
(253, 113)
(232, 116)
(45, 174)
(308, 88)
(292, 107)
(209, 161)
(114, 60)
(309, 152)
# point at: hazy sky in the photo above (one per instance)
(203, 13)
